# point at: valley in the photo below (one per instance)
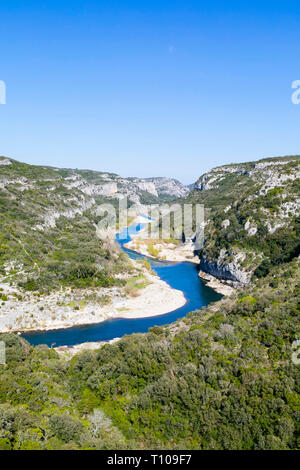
(204, 372)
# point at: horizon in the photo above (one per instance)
(149, 177)
(149, 89)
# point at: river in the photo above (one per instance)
(181, 276)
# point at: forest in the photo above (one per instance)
(221, 378)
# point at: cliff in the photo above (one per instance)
(48, 221)
(252, 217)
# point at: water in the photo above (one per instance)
(182, 276)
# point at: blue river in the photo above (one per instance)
(181, 276)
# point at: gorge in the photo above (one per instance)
(180, 276)
(215, 373)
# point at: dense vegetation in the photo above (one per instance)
(235, 186)
(246, 216)
(48, 219)
(48, 232)
(222, 378)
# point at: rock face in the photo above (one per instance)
(148, 187)
(169, 188)
(228, 272)
(95, 183)
(227, 267)
(270, 174)
(77, 191)
(5, 161)
(211, 179)
(251, 228)
(225, 223)
(247, 205)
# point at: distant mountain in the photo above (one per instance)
(94, 183)
(49, 214)
(169, 188)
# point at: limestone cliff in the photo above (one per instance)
(252, 217)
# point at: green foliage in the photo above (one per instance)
(65, 427)
(222, 379)
(241, 196)
(47, 254)
(248, 298)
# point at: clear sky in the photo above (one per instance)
(149, 88)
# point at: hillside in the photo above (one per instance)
(47, 230)
(168, 189)
(54, 270)
(48, 218)
(222, 378)
(251, 221)
(252, 217)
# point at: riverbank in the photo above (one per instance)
(217, 285)
(68, 308)
(69, 351)
(175, 251)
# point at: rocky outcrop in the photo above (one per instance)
(169, 187)
(134, 189)
(5, 161)
(229, 272)
(251, 228)
(51, 216)
(219, 285)
(270, 174)
(147, 186)
(212, 179)
(71, 192)
(246, 205)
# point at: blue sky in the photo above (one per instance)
(149, 88)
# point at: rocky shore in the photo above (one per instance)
(179, 252)
(219, 286)
(66, 308)
(163, 250)
(69, 351)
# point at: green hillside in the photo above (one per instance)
(252, 217)
(47, 231)
(223, 378)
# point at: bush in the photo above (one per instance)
(65, 427)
